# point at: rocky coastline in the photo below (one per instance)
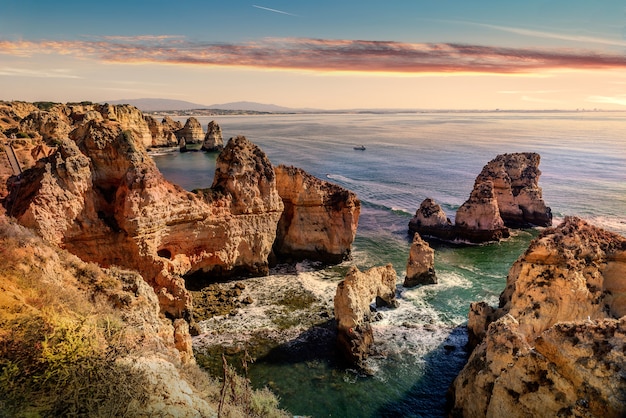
(90, 214)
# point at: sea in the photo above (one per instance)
(420, 345)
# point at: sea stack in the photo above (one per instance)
(505, 194)
(191, 136)
(556, 345)
(515, 180)
(352, 309)
(213, 140)
(478, 219)
(420, 268)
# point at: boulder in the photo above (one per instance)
(516, 186)
(352, 309)
(556, 345)
(320, 219)
(213, 140)
(420, 268)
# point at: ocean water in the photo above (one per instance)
(408, 157)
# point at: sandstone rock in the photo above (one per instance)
(478, 219)
(352, 308)
(130, 119)
(420, 268)
(320, 219)
(557, 343)
(431, 221)
(213, 140)
(162, 134)
(51, 126)
(190, 135)
(103, 199)
(516, 184)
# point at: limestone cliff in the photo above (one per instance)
(102, 197)
(213, 140)
(352, 308)
(320, 218)
(556, 346)
(161, 132)
(76, 339)
(420, 267)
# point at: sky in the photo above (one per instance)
(396, 54)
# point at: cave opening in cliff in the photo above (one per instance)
(164, 253)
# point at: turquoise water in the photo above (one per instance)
(410, 157)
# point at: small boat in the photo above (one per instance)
(361, 148)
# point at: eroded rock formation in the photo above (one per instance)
(478, 219)
(556, 346)
(320, 218)
(505, 193)
(101, 197)
(515, 179)
(191, 134)
(352, 308)
(420, 267)
(213, 140)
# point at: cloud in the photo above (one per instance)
(619, 99)
(21, 72)
(326, 55)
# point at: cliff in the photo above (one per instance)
(556, 345)
(320, 219)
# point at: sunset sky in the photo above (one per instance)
(417, 54)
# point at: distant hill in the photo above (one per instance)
(253, 106)
(151, 105)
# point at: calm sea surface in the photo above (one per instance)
(409, 157)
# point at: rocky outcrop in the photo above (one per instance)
(320, 219)
(162, 134)
(515, 179)
(352, 308)
(130, 119)
(52, 126)
(420, 268)
(556, 345)
(478, 219)
(101, 197)
(191, 136)
(213, 140)
(506, 192)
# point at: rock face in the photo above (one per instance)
(352, 308)
(162, 133)
(478, 219)
(420, 268)
(506, 192)
(515, 179)
(213, 140)
(190, 135)
(320, 218)
(102, 198)
(556, 346)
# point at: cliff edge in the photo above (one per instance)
(556, 345)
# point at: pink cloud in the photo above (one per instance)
(323, 55)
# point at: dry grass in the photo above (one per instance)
(67, 326)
